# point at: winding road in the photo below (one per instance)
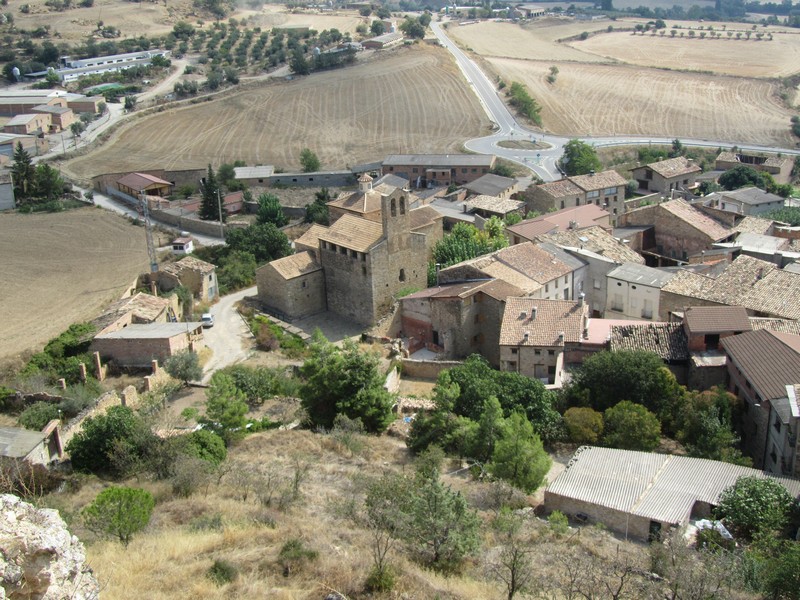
(543, 161)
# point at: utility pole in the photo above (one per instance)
(148, 229)
(219, 215)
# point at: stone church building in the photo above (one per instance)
(356, 266)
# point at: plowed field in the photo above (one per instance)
(612, 99)
(60, 269)
(410, 101)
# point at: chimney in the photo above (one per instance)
(523, 315)
(573, 224)
(581, 299)
(525, 336)
(561, 337)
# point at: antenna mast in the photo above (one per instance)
(148, 229)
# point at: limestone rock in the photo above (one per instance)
(39, 557)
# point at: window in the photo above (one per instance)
(511, 365)
(712, 341)
(304, 284)
(537, 352)
(463, 170)
(474, 170)
(415, 170)
(260, 181)
(402, 205)
(551, 353)
(596, 284)
(393, 208)
(546, 287)
(777, 424)
(402, 274)
(609, 191)
(562, 204)
(514, 350)
(774, 454)
(593, 194)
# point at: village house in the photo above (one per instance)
(780, 167)
(487, 207)
(532, 269)
(745, 201)
(643, 495)
(574, 218)
(139, 345)
(34, 447)
(134, 185)
(137, 309)
(634, 291)
(28, 124)
(493, 185)
(30, 143)
(679, 230)
(458, 319)
(664, 176)
(61, 117)
(182, 246)
(764, 371)
(429, 170)
(363, 263)
(605, 189)
(197, 276)
(667, 340)
(535, 333)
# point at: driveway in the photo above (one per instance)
(229, 339)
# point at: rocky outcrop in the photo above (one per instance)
(39, 558)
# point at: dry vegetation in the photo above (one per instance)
(603, 89)
(377, 108)
(171, 558)
(60, 269)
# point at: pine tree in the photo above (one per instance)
(209, 207)
(22, 172)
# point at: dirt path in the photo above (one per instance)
(230, 338)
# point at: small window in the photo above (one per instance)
(304, 284)
(537, 352)
(777, 424)
(551, 352)
(633, 287)
(619, 284)
(402, 274)
(515, 351)
(363, 270)
(463, 170)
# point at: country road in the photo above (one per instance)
(230, 339)
(543, 161)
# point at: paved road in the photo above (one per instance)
(229, 339)
(543, 161)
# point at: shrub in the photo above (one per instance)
(294, 555)
(755, 505)
(37, 415)
(185, 366)
(584, 425)
(266, 339)
(380, 579)
(631, 426)
(206, 523)
(558, 522)
(205, 445)
(222, 572)
(119, 512)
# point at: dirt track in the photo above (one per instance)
(60, 269)
(408, 100)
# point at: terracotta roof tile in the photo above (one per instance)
(139, 181)
(188, 263)
(674, 167)
(423, 216)
(754, 225)
(353, 233)
(310, 239)
(782, 325)
(296, 265)
(668, 340)
(560, 189)
(493, 204)
(597, 240)
(536, 322)
(599, 181)
(697, 219)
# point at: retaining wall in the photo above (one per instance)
(427, 369)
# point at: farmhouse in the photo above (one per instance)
(134, 185)
(780, 167)
(138, 345)
(35, 447)
(28, 124)
(198, 276)
(71, 70)
(606, 189)
(746, 201)
(458, 319)
(387, 40)
(61, 117)
(428, 170)
(31, 144)
(641, 495)
(254, 176)
(679, 173)
(535, 333)
(493, 185)
(764, 372)
(137, 309)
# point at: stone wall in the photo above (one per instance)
(674, 237)
(670, 302)
(319, 179)
(189, 222)
(427, 369)
(291, 298)
(392, 383)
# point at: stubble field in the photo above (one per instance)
(61, 269)
(411, 100)
(618, 83)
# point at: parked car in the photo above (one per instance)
(207, 319)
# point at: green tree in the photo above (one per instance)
(263, 240)
(130, 102)
(115, 443)
(38, 415)
(584, 425)
(465, 242)
(309, 161)
(22, 172)
(317, 211)
(787, 214)
(119, 512)
(518, 456)
(76, 128)
(704, 423)
(211, 199)
(377, 28)
(579, 158)
(270, 210)
(741, 176)
(237, 271)
(226, 408)
(755, 506)
(344, 381)
(185, 366)
(783, 573)
(630, 426)
(47, 182)
(299, 64)
(205, 445)
(513, 566)
(412, 28)
(386, 516)
(491, 428)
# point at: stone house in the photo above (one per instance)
(309, 241)
(138, 345)
(198, 276)
(534, 270)
(138, 309)
(487, 207)
(680, 230)
(605, 189)
(363, 263)
(764, 370)
(457, 319)
(679, 173)
(780, 167)
(535, 333)
(35, 447)
(302, 281)
(706, 326)
(573, 218)
(493, 185)
(429, 170)
(61, 117)
(556, 195)
(634, 291)
(134, 185)
(28, 124)
(643, 495)
(746, 201)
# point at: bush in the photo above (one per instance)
(185, 366)
(222, 572)
(205, 445)
(294, 555)
(37, 415)
(755, 505)
(380, 579)
(119, 512)
(559, 523)
(584, 425)
(631, 426)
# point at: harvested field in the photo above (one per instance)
(746, 58)
(509, 40)
(410, 100)
(274, 15)
(60, 269)
(610, 99)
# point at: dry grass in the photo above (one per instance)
(60, 269)
(171, 558)
(346, 117)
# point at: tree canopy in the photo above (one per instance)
(755, 506)
(226, 408)
(270, 211)
(317, 211)
(518, 455)
(119, 512)
(630, 426)
(309, 161)
(741, 176)
(211, 199)
(579, 158)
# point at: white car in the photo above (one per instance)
(207, 320)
